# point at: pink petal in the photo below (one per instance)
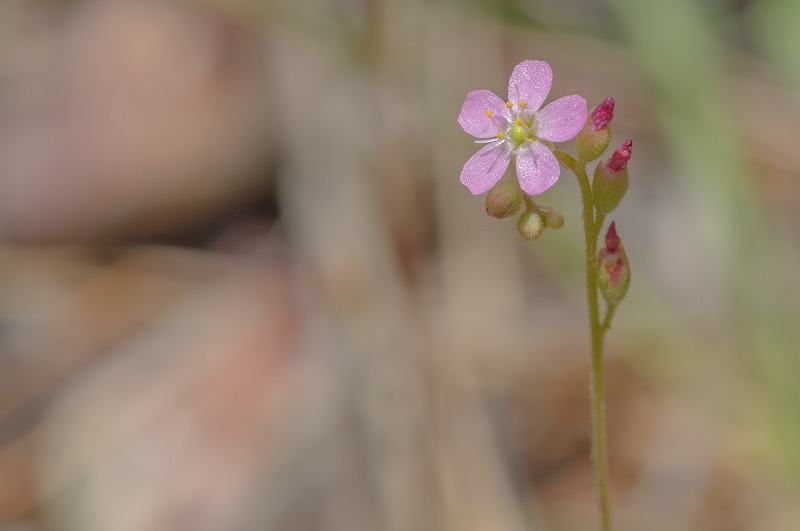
(561, 119)
(530, 82)
(484, 168)
(473, 117)
(537, 168)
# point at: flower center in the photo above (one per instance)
(520, 131)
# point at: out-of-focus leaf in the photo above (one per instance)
(777, 33)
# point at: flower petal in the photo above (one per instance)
(484, 168)
(530, 82)
(475, 120)
(537, 168)
(561, 119)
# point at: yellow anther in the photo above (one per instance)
(522, 104)
(520, 121)
(508, 104)
(488, 113)
(500, 134)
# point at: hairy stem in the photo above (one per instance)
(591, 227)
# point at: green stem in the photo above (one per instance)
(591, 227)
(610, 309)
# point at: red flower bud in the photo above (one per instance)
(619, 160)
(612, 238)
(613, 273)
(593, 139)
(611, 179)
(603, 114)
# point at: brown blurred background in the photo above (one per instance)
(241, 287)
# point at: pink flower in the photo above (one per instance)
(518, 127)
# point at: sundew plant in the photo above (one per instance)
(522, 129)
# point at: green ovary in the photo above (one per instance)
(518, 133)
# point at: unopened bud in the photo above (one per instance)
(602, 115)
(593, 139)
(504, 200)
(531, 224)
(611, 179)
(619, 160)
(552, 218)
(613, 272)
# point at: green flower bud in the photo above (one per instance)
(593, 139)
(504, 200)
(591, 144)
(552, 218)
(611, 179)
(531, 224)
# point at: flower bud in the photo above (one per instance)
(504, 200)
(531, 224)
(593, 139)
(613, 273)
(611, 179)
(552, 218)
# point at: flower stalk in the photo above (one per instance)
(607, 273)
(591, 227)
(591, 230)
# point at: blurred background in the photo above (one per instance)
(241, 287)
